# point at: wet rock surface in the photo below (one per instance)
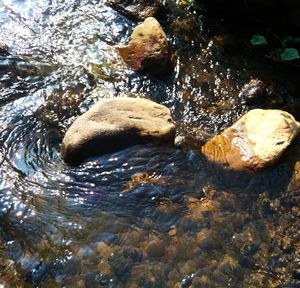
(113, 124)
(254, 92)
(263, 95)
(148, 50)
(146, 216)
(137, 10)
(255, 141)
(3, 49)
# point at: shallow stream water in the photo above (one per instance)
(144, 216)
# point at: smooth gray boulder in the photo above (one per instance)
(114, 124)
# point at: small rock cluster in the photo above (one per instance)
(255, 141)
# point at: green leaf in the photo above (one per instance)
(186, 2)
(258, 40)
(289, 54)
(190, 3)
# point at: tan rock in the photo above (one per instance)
(113, 124)
(104, 250)
(255, 141)
(173, 231)
(148, 49)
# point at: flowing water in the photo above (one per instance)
(144, 216)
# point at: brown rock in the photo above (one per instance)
(168, 207)
(104, 250)
(113, 124)
(144, 178)
(199, 206)
(104, 268)
(254, 91)
(155, 248)
(134, 237)
(255, 141)
(263, 95)
(148, 50)
(296, 211)
(137, 10)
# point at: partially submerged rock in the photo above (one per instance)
(259, 94)
(137, 10)
(3, 49)
(113, 124)
(148, 50)
(254, 91)
(255, 141)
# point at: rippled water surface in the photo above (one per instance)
(144, 216)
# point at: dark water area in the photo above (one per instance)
(143, 216)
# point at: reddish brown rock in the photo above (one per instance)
(148, 50)
(255, 141)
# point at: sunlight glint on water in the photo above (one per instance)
(95, 225)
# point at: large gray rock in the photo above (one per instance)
(255, 141)
(113, 124)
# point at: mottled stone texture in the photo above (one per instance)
(148, 50)
(255, 141)
(113, 124)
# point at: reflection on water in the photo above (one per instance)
(141, 217)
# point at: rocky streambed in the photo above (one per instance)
(143, 215)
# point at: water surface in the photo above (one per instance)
(144, 216)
